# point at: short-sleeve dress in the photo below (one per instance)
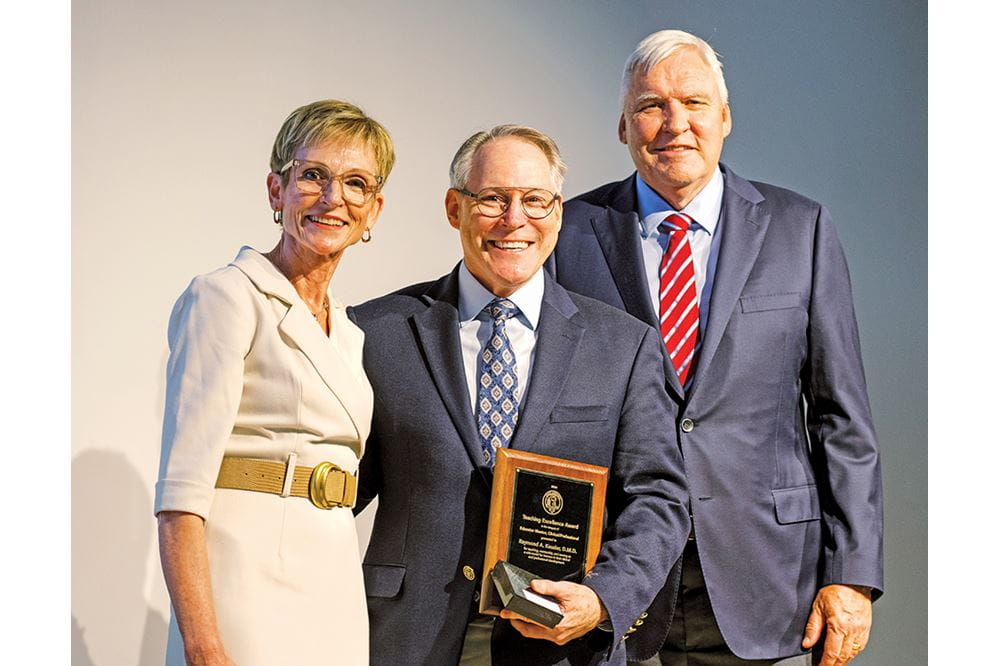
(251, 374)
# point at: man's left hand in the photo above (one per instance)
(845, 611)
(580, 606)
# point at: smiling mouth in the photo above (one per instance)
(326, 221)
(514, 246)
(673, 149)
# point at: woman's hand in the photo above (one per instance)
(184, 558)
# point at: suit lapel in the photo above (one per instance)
(744, 224)
(558, 338)
(438, 338)
(618, 234)
(299, 326)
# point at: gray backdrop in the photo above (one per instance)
(175, 106)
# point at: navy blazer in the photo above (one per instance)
(596, 395)
(775, 430)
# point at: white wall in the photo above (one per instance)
(175, 106)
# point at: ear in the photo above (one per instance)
(727, 121)
(621, 129)
(452, 207)
(557, 211)
(376, 210)
(274, 190)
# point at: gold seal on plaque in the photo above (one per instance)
(552, 502)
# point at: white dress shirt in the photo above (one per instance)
(476, 327)
(705, 209)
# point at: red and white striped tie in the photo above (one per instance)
(678, 297)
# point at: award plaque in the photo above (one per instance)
(546, 517)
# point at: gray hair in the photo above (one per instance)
(659, 46)
(461, 164)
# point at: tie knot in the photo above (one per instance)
(501, 309)
(680, 222)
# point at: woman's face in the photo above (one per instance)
(325, 224)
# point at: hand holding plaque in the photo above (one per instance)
(546, 517)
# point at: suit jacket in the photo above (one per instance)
(775, 429)
(595, 395)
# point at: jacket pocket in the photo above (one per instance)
(770, 302)
(796, 505)
(578, 413)
(383, 580)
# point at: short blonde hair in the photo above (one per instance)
(461, 165)
(327, 120)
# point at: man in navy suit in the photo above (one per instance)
(497, 354)
(750, 288)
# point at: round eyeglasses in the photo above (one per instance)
(494, 201)
(357, 186)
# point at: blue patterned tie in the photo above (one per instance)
(496, 408)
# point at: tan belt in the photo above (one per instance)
(325, 485)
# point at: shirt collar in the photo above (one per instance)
(473, 297)
(704, 209)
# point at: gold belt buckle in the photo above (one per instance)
(318, 482)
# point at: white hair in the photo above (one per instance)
(659, 46)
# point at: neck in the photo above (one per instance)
(308, 272)
(679, 197)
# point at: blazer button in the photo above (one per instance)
(687, 425)
(469, 572)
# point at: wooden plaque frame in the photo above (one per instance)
(501, 528)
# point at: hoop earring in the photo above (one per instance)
(366, 237)
(276, 216)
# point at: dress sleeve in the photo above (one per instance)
(210, 333)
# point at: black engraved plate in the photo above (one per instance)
(549, 521)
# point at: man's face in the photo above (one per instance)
(674, 123)
(504, 252)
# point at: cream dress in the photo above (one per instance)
(251, 374)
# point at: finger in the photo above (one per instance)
(834, 649)
(814, 628)
(529, 629)
(512, 616)
(854, 645)
(549, 587)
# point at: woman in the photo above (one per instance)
(265, 376)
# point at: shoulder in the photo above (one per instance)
(226, 286)
(783, 200)
(217, 306)
(398, 304)
(225, 280)
(599, 196)
(776, 200)
(583, 206)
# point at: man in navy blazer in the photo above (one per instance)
(773, 420)
(585, 383)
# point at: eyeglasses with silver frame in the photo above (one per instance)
(358, 186)
(536, 203)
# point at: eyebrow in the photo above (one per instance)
(328, 168)
(648, 97)
(654, 97)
